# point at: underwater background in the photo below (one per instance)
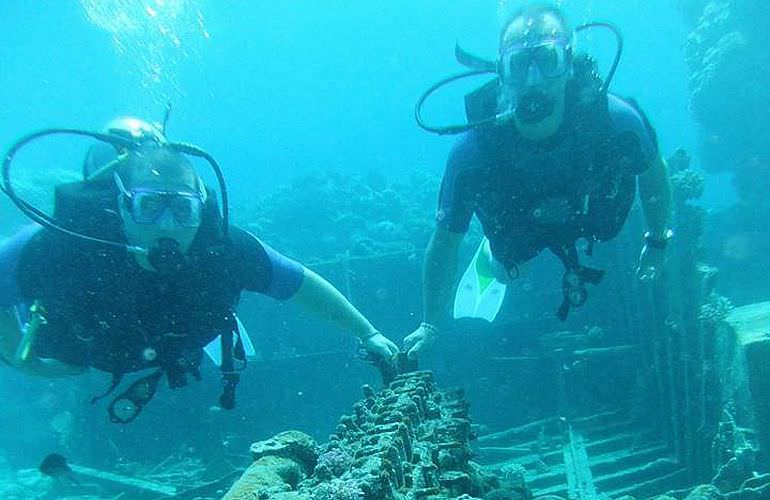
(308, 107)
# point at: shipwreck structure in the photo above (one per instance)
(410, 440)
(645, 391)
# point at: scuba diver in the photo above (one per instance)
(548, 157)
(137, 268)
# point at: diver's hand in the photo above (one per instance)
(420, 339)
(380, 345)
(651, 261)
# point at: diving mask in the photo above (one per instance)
(147, 206)
(548, 58)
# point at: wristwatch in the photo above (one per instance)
(658, 241)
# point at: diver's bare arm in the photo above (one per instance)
(655, 195)
(321, 298)
(439, 274)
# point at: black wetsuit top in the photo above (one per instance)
(105, 311)
(510, 183)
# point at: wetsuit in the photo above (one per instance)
(511, 184)
(104, 311)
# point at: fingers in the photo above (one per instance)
(382, 346)
(388, 348)
(414, 351)
(410, 341)
(392, 348)
(647, 273)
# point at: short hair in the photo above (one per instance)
(158, 165)
(537, 13)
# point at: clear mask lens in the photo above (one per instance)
(147, 207)
(550, 59)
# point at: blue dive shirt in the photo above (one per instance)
(506, 180)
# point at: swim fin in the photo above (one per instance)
(214, 348)
(479, 294)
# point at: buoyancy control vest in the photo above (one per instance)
(105, 311)
(585, 163)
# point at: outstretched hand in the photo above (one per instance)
(419, 340)
(651, 262)
(380, 345)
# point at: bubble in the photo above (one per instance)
(152, 37)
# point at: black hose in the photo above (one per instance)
(196, 151)
(46, 220)
(38, 215)
(450, 129)
(618, 51)
(458, 129)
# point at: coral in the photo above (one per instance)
(730, 99)
(716, 309)
(687, 185)
(266, 478)
(410, 440)
(343, 216)
(728, 94)
(295, 445)
(280, 463)
(337, 489)
(334, 462)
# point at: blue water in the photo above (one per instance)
(275, 90)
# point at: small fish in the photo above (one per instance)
(55, 466)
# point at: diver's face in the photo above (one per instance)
(157, 213)
(535, 65)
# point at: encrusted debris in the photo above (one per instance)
(410, 440)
